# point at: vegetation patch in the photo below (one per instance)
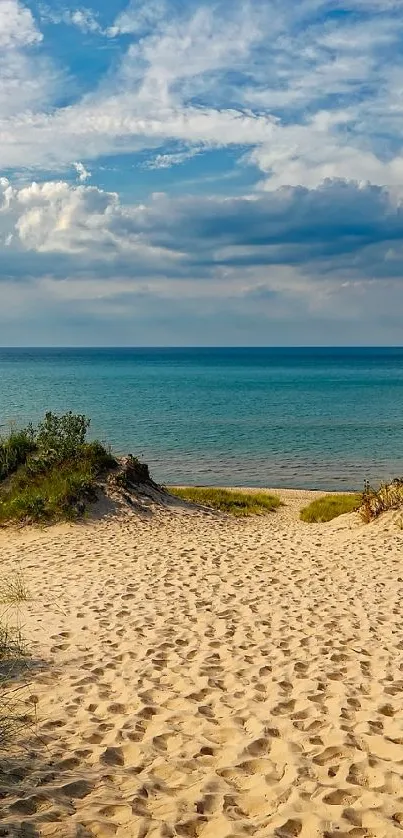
(227, 500)
(12, 652)
(376, 501)
(330, 506)
(14, 451)
(49, 472)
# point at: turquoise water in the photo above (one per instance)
(317, 418)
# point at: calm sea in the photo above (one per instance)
(318, 418)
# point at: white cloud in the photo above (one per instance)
(116, 123)
(17, 26)
(28, 79)
(85, 20)
(165, 161)
(86, 225)
(306, 155)
(202, 43)
(82, 173)
(82, 18)
(54, 216)
(138, 17)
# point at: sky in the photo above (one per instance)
(178, 172)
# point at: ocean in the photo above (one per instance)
(319, 418)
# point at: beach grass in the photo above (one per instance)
(330, 506)
(234, 502)
(56, 494)
(15, 447)
(49, 473)
(376, 501)
(13, 593)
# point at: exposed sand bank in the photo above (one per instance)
(212, 677)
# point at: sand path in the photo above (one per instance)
(210, 677)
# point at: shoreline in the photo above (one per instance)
(268, 487)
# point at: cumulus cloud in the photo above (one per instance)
(319, 230)
(61, 230)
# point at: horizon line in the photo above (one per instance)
(202, 346)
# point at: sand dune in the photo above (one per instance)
(203, 676)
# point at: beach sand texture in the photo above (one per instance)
(206, 676)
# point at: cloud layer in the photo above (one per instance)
(319, 253)
(289, 225)
(306, 98)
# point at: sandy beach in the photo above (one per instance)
(197, 675)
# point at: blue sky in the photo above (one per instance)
(179, 172)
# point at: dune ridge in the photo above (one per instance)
(203, 676)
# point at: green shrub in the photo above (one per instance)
(237, 503)
(53, 471)
(330, 506)
(63, 436)
(100, 457)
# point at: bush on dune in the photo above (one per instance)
(330, 506)
(236, 503)
(49, 473)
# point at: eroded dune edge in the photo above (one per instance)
(195, 675)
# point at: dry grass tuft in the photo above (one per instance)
(13, 591)
(12, 652)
